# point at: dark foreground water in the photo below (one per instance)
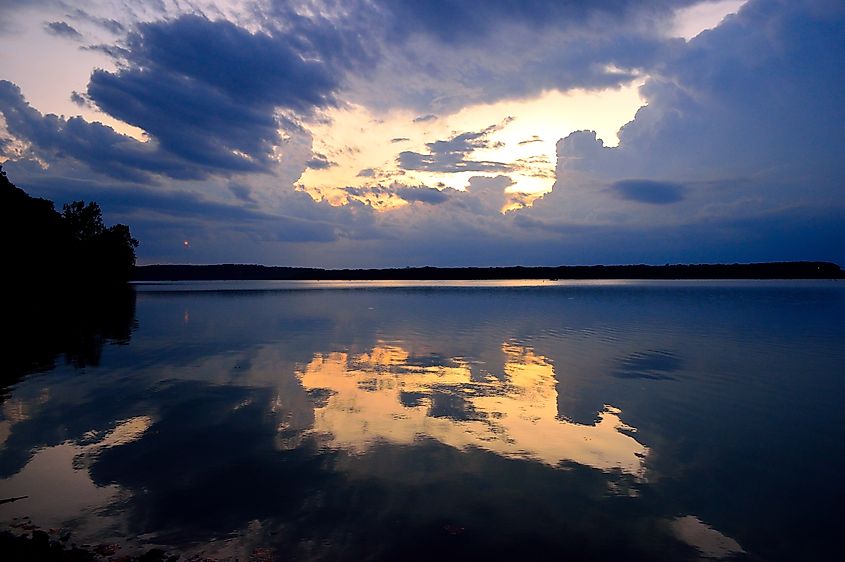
(587, 421)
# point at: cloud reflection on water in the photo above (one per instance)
(341, 421)
(516, 416)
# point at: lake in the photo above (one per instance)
(604, 420)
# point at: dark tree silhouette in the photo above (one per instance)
(105, 253)
(83, 222)
(41, 246)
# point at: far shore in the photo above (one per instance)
(245, 272)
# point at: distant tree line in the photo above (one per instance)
(41, 246)
(775, 270)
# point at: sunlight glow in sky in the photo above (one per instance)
(524, 138)
(694, 19)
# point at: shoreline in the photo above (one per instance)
(250, 272)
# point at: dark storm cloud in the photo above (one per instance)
(463, 21)
(749, 115)
(78, 99)
(81, 100)
(648, 191)
(760, 92)
(209, 94)
(242, 192)
(597, 62)
(208, 91)
(254, 67)
(451, 155)
(471, 53)
(422, 194)
(62, 29)
(408, 193)
(94, 144)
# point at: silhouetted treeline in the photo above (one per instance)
(44, 247)
(779, 270)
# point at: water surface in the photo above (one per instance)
(330, 420)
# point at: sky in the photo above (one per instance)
(393, 133)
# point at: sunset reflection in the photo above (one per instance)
(386, 395)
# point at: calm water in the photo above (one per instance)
(565, 421)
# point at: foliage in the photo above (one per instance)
(84, 222)
(74, 246)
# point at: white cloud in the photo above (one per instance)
(692, 20)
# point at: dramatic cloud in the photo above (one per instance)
(759, 92)
(209, 91)
(394, 195)
(745, 118)
(471, 55)
(79, 99)
(422, 195)
(94, 144)
(242, 192)
(450, 156)
(357, 133)
(646, 191)
(460, 22)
